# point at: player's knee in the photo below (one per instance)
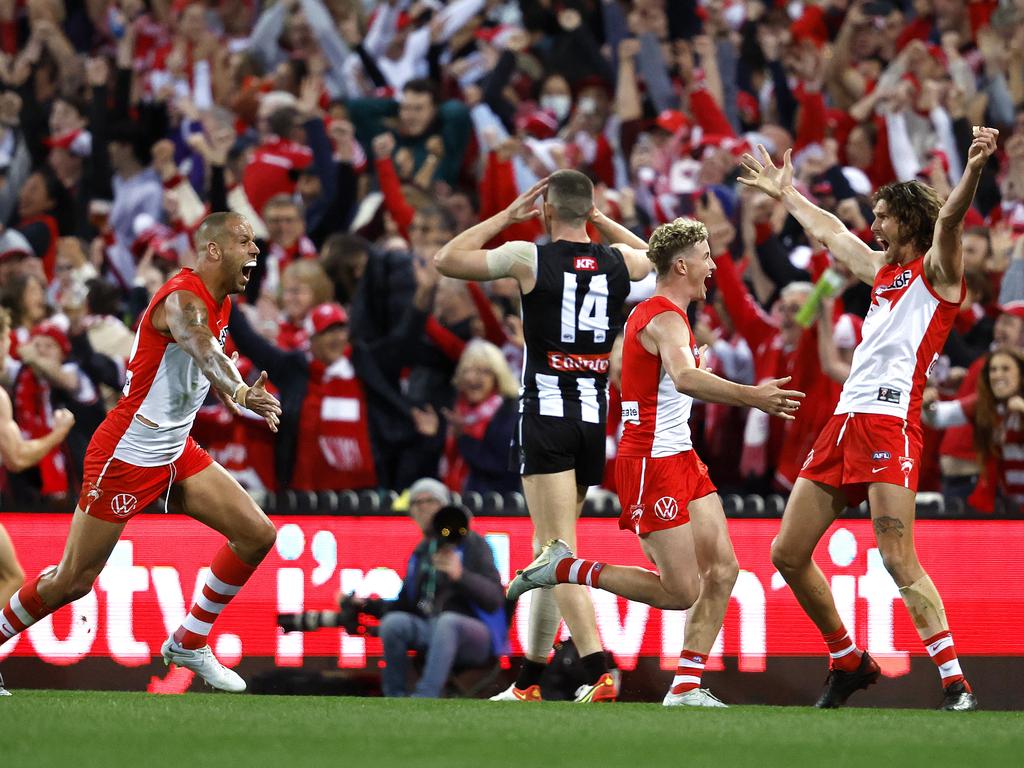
(680, 594)
(257, 539)
(723, 574)
(900, 562)
(785, 559)
(74, 586)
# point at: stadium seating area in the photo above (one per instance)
(358, 137)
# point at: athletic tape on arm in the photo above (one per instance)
(501, 259)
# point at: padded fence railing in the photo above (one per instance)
(599, 503)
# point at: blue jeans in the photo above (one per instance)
(447, 638)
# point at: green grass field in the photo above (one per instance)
(85, 729)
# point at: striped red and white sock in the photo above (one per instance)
(689, 671)
(844, 653)
(572, 570)
(940, 648)
(25, 608)
(227, 576)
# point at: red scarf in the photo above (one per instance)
(35, 417)
(475, 420)
(333, 451)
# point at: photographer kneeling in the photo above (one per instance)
(452, 605)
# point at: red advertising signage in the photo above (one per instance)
(159, 565)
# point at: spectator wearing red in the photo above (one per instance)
(324, 440)
(286, 243)
(278, 159)
(304, 285)
(480, 425)
(995, 416)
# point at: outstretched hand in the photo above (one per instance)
(775, 401)
(764, 174)
(522, 209)
(261, 402)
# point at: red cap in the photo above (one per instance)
(539, 123)
(55, 332)
(671, 120)
(324, 316)
(811, 26)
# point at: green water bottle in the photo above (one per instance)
(827, 286)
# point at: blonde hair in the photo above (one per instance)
(486, 355)
(310, 273)
(669, 240)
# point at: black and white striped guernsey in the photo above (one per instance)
(570, 320)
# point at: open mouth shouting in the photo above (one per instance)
(247, 269)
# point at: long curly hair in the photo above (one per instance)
(916, 207)
(987, 417)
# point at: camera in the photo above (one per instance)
(451, 524)
(349, 616)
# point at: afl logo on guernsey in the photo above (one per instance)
(585, 264)
(666, 508)
(902, 281)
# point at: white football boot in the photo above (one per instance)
(3, 691)
(698, 697)
(203, 663)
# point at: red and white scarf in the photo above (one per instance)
(475, 420)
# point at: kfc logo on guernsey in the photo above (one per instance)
(568, 363)
(902, 281)
(585, 264)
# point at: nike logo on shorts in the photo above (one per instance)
(877, 469)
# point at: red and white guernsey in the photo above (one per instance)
(164, 386)
(903, 334)
(655, 416)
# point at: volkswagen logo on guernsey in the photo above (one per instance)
(666, 508)
(123, 504)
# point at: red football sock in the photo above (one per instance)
(571, 570)
(843, 651)
(227, 576)
(25, 608)
(940, 648)
(689, 671)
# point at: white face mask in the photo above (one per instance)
(559, 103)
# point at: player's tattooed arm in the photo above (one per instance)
(886, 524)
(188, 323)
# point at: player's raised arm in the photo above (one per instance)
(188, 322)
(632, 247)
(668, 334)
(464, 255)
(777, 182)
(944, 263)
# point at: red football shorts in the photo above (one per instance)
(654, 493)
(854, 450)
(116, 491)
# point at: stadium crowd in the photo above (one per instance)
(358, 137)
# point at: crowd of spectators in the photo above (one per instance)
(358, 135)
